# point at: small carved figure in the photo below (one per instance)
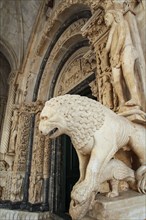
(16, 189)
(14, 130)
(97, 133)
(35, 189)
(31, 189)
(122, 57)
(38, 189)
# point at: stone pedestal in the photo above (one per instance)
(128, 206)
(6, 214)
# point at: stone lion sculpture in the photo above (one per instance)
(97, 133)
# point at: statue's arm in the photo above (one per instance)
(110, 38)
(121, 28)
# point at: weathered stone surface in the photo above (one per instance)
(128, 206)
(21, 215)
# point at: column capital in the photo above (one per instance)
(33, 107)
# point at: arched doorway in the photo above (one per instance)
(74, 78)
(70, 161)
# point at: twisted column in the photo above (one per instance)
(8, 115)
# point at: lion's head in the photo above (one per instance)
(74, 115)
(52, 122)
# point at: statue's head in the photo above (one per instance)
(109, 19)
(52, 122)
(111, 16)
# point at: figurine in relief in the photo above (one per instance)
(14, 130)
(35, 189)
(97, 133)
(16, 189)
(122, 58)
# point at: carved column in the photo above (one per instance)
(96, 31)
(8, 114)
(36, 177)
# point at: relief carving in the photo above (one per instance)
(71, 31)
(22, 142)
(35, 190)
(75, 72)
(16, 188)
(14, 131)
(37, 166)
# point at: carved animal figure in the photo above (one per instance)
(97, 133)
(114, 171)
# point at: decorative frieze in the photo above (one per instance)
(72, 31)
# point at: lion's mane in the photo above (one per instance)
(83, 116)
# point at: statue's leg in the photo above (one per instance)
(114, 188)
(130, 78)
(117, 83)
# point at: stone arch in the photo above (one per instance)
(53, 29)
(74, 40)
(11, 58)
(8, 52)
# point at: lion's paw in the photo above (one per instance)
(81, 192)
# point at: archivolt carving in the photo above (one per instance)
(72, 31)
(58, 9)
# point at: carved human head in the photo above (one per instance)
(111, 16)
(109, 19)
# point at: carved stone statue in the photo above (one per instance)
(97, 133)
(35, 189)
(122, 58)
(16, 189)
(14, 130)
